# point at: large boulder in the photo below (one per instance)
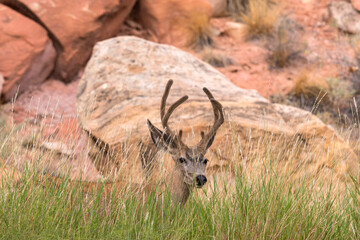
(356, 4)
(79, 25)
(122, 87)
(1, 82)
(345, 16)
(27, 56)
(174, 21)
(219, 7)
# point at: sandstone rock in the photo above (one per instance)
(79, 25)
(24, 10)
(219, 7)
(1, 83)
(237, 31)
(122, 87)
(27, 56)
(174, 21)
(356, 4)
(345, 16)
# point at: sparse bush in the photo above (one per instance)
(355, 68)
(199, 30)
(311, 87)
(215, 58)
(237, 7)
(340, 89)
(284, 43)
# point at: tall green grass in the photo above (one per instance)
(265, 207)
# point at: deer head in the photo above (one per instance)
(190, 160)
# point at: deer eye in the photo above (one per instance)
(206, 161)
(182, 160)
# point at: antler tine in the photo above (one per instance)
(171, 109)
(180, 134)
(165, 115)
(218, 119)
(164, 98)
(217, 107)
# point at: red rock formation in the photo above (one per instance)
(79, 25)
(170, 19)
(31, 28)
(27, 56)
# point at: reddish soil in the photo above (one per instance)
(327, 52)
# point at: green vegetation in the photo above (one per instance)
(263, 207)
(257, 210)
(260, 209)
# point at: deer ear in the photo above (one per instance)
(159, 138)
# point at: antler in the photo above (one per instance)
(206, 140)
(166, 115)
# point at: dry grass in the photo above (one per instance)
(261, 17)
(215, 58)
(199, 30)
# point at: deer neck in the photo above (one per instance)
(179, 190)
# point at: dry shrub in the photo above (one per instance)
(355, 67)
(308, 86)
(237, 7)
(341, 89)
(310, 93)
(285, 43)
(215, 58)
(355, 43)
(261, 17)
(199, 30)
(331, 99)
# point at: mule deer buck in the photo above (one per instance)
(190, 162)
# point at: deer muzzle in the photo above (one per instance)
(200, 181)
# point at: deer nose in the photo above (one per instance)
(200, 180)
